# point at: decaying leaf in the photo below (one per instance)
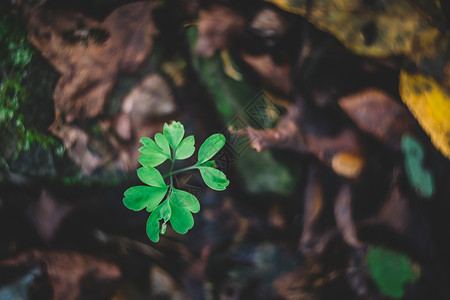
(269, 24)
(430, 104)
(394, 28)
(343, 215)
(395, 212)
(72, 275)
(48, 213)
(313, 206)
(275, 76)
(90, 54)
(378, 28)
(76, 142)
(376, 113)
(292, 132)
(217, 26)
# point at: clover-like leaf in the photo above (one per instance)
(163, 143)
(214, 178)
(154, 228)
(179, 205)
(149, 146)
(152, 154)
(139, 197)
(174, 133)
(210, 147)
(181, 219)
(186, 200)
(152, 159)
(151, 176)
(186, 148)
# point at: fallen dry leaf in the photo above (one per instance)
(217, 26)
(72, 275)
(89, 64)
(377, 113)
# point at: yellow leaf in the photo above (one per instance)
(394, 28)
(430, 105)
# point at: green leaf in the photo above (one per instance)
(181, 219)
(214, 178)
(149, 146)
(152, 159)
(152, 155)
(154, 228)
(210, 147)
(151, 176)
(390, 270)
(182, 204)
(179, 205)
(163, 143)
(209, 163)
(174, 133)
(139, 197)
(185, 200)
(419, 177)
(185, 148)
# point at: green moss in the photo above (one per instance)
(16, 55)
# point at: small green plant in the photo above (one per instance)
(159, 196)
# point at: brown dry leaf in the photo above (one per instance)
(269, 24)
(217, 26)
(343, 215)
(313, 205)
(292, 132)
(286, 134)
(90, 54)
(72, 275)
(143, 110)
(163, 285)
(76, 142)
(346, 143)
(275, 76)
(395, 213)
(48, 213)
(376, 113)
(292, 286)
(342, 152)
(151, 98)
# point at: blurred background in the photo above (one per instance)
(337, 120)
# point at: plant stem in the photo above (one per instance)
(178, 171)
(182, 170)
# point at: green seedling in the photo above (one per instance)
(159, 196)
(390, 270)
(419, 177)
